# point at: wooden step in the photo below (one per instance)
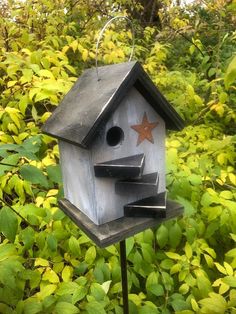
(128, 167)
(154, 206)
(148, 183)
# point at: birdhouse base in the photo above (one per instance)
(119, 229)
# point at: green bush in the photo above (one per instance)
(187, 265)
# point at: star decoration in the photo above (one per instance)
(144, 130)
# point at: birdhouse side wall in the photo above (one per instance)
(78, 178)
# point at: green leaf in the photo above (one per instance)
(5, 308)
(90, 255)
(152, 279)
(167, 263)
(129, 245)
(230, 280)
(162, 236)
(8, 223)
(41, 262)
(175, 235)
(156, 289)
(34, 175)
(204, 286)
(184, 288)
(228, 195)
(188, 250)
(112, 249)
(33, 276)
(231, 253)
(212, 72)
(168, 281)
(95, 307)
(146, 309)
(32, 144)
(12, 160)
(98, 274)
(33, 307)
(74, 246)
(67, 288)
(7, 250)
(27, 236)
(215, 304)
(66, 308)
(45, 73)
(173, 255)
(23, 103)
(97, 292)
(180, 305)
(233, 236)
(45, 291)
(175, 268)
(52, 242)
(195, 179)
(4, 148)
(106, 286)
(230, 74)
(189, 210)
(79, 294)
(147, 252)
(51, 276)
(67, 273)
(54, 173)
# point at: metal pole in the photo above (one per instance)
(124, 279)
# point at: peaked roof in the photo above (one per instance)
(91, 101)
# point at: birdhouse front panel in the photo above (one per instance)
(134, 129)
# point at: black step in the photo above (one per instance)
(148, 183)
(154, 206)
(128, 167)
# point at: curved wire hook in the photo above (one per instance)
(101, 33)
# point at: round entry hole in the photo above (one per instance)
(115, 136)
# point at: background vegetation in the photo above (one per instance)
(47, 265)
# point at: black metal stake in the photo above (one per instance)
(124, 279)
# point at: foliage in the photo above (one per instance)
(47, 265)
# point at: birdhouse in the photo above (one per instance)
(111, 134)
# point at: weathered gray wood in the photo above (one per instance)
(131, 112)
(110, 204)
(78, 178)
(120, 229)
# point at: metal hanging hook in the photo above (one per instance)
(103, 30)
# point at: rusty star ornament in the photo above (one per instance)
(144, 130)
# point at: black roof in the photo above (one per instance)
(91, 101)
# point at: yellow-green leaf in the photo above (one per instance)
(45, 291)
(188, 250)
(50, 276)
(67, 273)
(41, 262)
(173, 255)
(45, 73)
(221, 268)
